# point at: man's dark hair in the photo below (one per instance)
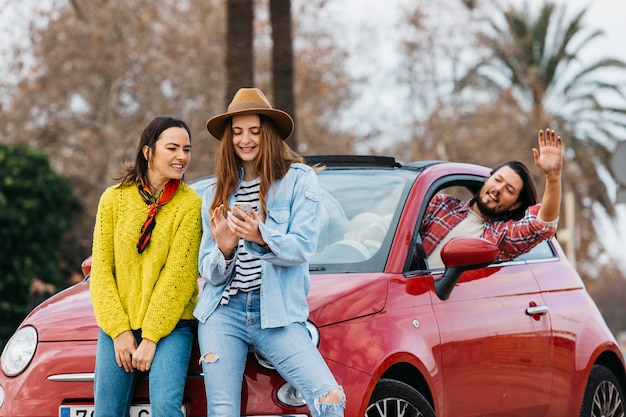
(528, 193)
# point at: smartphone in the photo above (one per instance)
(246, 207)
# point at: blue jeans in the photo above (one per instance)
(114, 387)
(224, 342)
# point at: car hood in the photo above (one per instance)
(67, 315)
(333, 298)
(339, 297)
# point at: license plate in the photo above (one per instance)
(87, 411)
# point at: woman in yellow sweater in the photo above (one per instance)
(144, 275)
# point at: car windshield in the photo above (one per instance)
(359, 211)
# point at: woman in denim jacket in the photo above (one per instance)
(255, 265)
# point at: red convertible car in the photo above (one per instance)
(476, 338)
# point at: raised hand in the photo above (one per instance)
(549, 158)
(549, 154)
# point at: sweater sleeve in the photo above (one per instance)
(175, 292)
(108, 309)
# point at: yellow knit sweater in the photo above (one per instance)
(151, 291)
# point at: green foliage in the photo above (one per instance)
(35, 208)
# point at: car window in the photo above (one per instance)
(461, 189)
(460, 192)
(358, 207)
(540, 252)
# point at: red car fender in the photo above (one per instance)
(407, 362)
(575, 333)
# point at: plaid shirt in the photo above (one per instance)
(513, 237)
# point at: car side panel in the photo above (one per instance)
(576, 334)
(496, 359)
(578, 328)
(405, 332)
(557, 274)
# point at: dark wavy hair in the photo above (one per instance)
(134, 173)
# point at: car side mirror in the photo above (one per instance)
(462, 254)
(85, 267)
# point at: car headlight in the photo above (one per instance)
(313, 332)
(289, 396)
(19, 351)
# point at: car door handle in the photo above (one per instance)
(537, 310)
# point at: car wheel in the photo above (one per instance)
(603, 395)
(393, 398)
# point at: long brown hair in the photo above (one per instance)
(275, 158)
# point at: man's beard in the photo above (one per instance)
(485, 210)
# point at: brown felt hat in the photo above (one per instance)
(250, 101)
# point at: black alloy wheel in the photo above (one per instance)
(393, 398)
(603, 395)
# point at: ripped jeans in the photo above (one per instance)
(225, 339)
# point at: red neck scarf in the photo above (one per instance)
(154, 205)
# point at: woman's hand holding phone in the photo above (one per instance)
(243, 206)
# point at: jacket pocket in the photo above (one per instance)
(280, 216)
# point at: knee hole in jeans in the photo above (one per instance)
(334, 396)
(209, 358)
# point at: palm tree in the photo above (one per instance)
(282, 60)
(536, 59)
(239, 50)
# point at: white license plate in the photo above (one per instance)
(87, 411)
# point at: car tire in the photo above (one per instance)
(393, 398)
(603, 395)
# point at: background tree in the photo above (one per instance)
(535, 60)
(323, 84)
(609, 293)
(282, 62)
(439, 123)
(528, 76)
(36, 208)
(93, 77)
(93, 74)
(87, 77)
(239, 50)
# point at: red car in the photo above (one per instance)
(519, 338)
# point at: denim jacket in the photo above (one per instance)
(291, 231)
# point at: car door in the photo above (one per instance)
(496, 341)
(496, 358)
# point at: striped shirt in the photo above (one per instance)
(247, 267)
